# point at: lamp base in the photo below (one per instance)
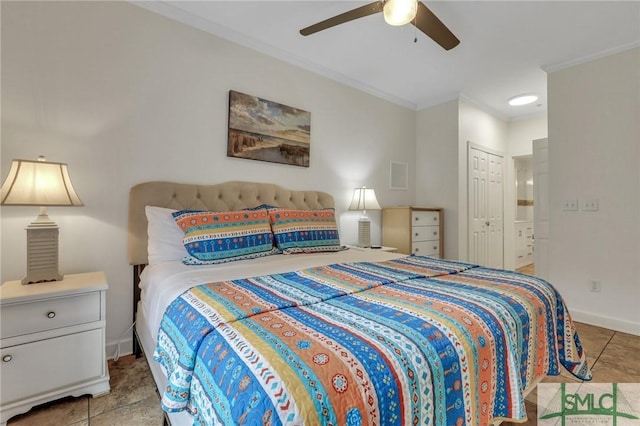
(42, 252)
(364, 232)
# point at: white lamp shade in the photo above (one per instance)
(399, 12)
(39, 183)
(364, 199)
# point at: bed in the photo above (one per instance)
(325, 335)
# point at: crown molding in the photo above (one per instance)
(175, 13)
(578, 61)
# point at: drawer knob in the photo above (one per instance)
(7, 358)
(51, 314)
(417, 234)
(417, 249)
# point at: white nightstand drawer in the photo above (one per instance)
(45, 365)
(419, 218)
(25, 318)
(425, 233)
(426, 248)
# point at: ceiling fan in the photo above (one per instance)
(396, 12)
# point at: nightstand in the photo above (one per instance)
(52, 341)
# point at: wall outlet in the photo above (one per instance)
(595, 286)
(570, 205)
(590, 205)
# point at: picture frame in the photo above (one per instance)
(264, 130)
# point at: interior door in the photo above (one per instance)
(495, 206)
(541, 207)
(478, 215)
(486, 198)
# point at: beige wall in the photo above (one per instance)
(442, 136)
(594, 153)
(521, 132)
(437, 167)
(479, 128)
(124, 95)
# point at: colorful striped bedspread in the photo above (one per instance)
(414, 340)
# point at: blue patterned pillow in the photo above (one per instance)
(217, 237)
(305, 231)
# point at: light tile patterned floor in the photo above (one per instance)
(132, 401)
(613, 357)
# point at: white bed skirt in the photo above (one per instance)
(145, 337)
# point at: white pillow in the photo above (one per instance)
(165, 236)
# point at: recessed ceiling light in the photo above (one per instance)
(522, 100)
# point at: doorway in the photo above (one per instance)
(524, 228)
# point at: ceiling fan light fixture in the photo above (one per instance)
(399, 12)
(525, 99)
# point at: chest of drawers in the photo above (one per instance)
(52, 341)
(413, 230)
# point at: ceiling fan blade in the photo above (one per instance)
(429, 24)
(360, 12)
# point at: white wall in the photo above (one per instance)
(437, 167)
(480, 128)
(442, 136)
(594, 140)
(521, 133)
(124, 96)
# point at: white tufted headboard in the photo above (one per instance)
(221, 197)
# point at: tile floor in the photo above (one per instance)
(613, 357)
(132, 401)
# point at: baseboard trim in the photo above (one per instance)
(126, 347)
(606, 322)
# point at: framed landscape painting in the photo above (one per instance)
(267, 131)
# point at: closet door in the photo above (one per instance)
(495, 203)
(486, 219)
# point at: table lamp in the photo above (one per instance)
(40, 183)
(364, 199)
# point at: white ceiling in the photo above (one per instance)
(505, 46)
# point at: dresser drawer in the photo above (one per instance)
(46, 365)
(25, 318)
(426, 248)
(425, 233)
(421, 218)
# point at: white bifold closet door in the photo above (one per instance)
(486, 205)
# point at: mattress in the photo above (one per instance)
(373, 338)
(162, 282)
